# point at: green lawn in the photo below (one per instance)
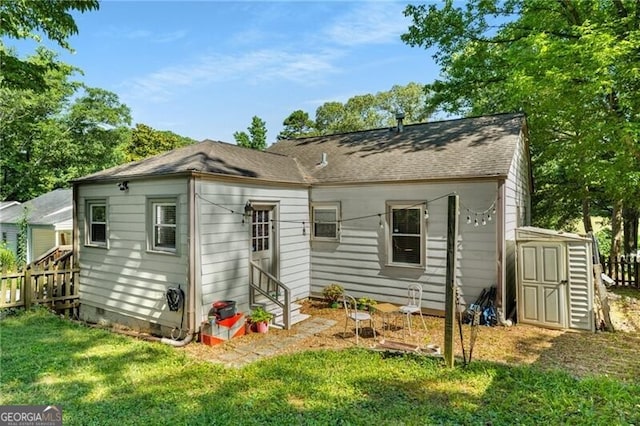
(102, 378)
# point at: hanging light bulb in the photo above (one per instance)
(475, 223)
(380, 221)
(304, 229)
(468, 217)
(426, 214)
(489, 217)
(484, 222)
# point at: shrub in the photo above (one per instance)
(332, 292)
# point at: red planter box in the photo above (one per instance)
(219, 331)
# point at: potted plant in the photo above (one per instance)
(261, 319)
(332, 293)
(365, 303)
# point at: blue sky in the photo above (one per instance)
(202, 69)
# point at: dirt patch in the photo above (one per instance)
(579, 353)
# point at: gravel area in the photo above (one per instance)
(579, 353)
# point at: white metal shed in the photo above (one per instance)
(555, 279)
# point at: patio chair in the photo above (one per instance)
(353, 314)
(413, 306)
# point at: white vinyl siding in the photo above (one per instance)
(224, 239)
(517, 205)
(359, 260)
(128, 279)
(326, 219)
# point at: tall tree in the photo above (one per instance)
(31, 19)
(296, 125)
(146, 141)
(257, 136)
(361, 112)
(571, 66)
(65, 131)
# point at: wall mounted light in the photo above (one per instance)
(124, 185)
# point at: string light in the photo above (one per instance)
(481, 216)
(381, 224)
(304, 229)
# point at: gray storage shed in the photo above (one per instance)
(555, 279)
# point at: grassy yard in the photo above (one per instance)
(101, 378)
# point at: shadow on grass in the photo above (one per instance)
(101, 378)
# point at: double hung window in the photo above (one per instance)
(326, 217)
(406, 233)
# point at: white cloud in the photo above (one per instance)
(253, 67)
(139, 34)
(369, 23)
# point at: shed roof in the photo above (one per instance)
(532, 233)
(48, 209)
(462, 148)
(208, 156)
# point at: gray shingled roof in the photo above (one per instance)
(48, 209)
(209, 157)
(462, 148)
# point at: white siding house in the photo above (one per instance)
(365, 209)
(49, 223)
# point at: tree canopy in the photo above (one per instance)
(257, 136)
(30, 20)
(51, 136)
(361, 112)
(571, 66)
(146, 142)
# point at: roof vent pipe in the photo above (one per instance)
(323, 161)
(400, 117)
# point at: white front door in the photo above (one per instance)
(263, 238)
(543, 284)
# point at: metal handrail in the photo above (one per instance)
(273, 291)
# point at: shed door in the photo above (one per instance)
(542, 277)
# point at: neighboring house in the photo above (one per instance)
(49, 222)
(367, 210)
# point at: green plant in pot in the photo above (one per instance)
(332, 294)
(261, 319)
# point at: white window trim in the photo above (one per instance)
(89, 222)
(397, 205)
(332, 205)
(151, 224)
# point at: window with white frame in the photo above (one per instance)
(97, 222)
(163, 221)
(406, 233)
(325, 219)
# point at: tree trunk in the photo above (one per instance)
(586, 214)
(630, 217)
(616, 230)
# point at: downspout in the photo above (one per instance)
(191, 282)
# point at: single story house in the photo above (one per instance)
(49, 222)
(367, 210)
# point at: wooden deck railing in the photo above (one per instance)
(53, 283)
